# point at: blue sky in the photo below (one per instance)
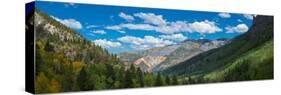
(129, 29)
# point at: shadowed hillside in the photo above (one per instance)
(246, 57)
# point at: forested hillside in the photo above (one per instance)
(246, 57)
(65, 62)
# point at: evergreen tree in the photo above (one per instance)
(159, 80)
(175, 81)
(149, 79)
(168, 81)
(82, 79)
(128, 79)
(141, 77)
(110, 75)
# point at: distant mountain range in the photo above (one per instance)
(157, 59)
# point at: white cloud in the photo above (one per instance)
(157, 23)
(146, 42)
(99, 32)
(239, 20)
(67, 5)
(91, 26)
(175, 37)
(128, 18)
(151, 18)
(106, 44)
(115, 27)
(205, 27)
(183, 26)
(138, 26)
(72, 23)
(131, 39)
(172, 27)
(224, 15)
(249, 16)
(131, 27)
(140, 47)
(240, 28)
(120, 31)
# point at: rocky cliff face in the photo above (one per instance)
(148, 59)
(147, 63)
(157, 59)
(160, 51)
(187, 50)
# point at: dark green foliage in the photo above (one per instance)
(240, 72)
(82, 80)
(168, 80)
(160, 81)
(49, 47)
(251, 68)
(76, 64)
(140, 76)
(128, 79)
(175, 80)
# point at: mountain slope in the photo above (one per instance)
(258, 35)
(61, 53)
(187, 50)
(54, 37)
(148, 59)
(147, 63)
(253, 65)
(160, 51)
(157, 59)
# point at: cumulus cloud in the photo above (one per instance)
(249, 16)
(151, 18)
(146, 42)
(128, 18)
(224, 15)
(91, 26)
(240, 28)
(131, 27)
(138, 26)
(132, 40)
(172, 27)
(102, 32)
(67, 5)
(71, 23)
(115, 27)
(153, 22)
(239, 20)
(205, 27)
(175, 37)
(120, 31)
(107, 44)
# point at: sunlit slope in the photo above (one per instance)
(253, 65)
(258, 36)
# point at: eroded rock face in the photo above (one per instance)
(157, 59)
(147, 63)
(187, 50)
(259, 23)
